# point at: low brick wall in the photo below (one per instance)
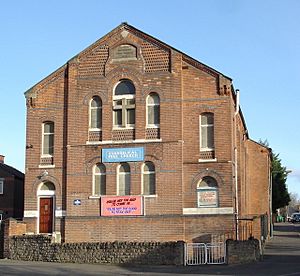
(40, 248)
(1, 240)
(239, 252)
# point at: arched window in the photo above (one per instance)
(124, 104)
(95, 113)
(99, 179)
(153, 110)
(47, 186)
(123, 181)
(148, 174)
(206, 132)
(48, 139)
(207, 192)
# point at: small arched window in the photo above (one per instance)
(99, 180)
(207, 192)
(95, 113)
(148, 174)
(207, 132)
(153, 110)
(124, 104)
(48, 139)
(123, 181)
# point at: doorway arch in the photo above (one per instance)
(46, 207)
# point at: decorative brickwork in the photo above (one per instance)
(187, 88)
(207, 155)
(123, 135)
(152, 133)
(46, 161)
(95, 136)
(93, 64)
(156, 59)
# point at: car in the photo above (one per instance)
(295, 218)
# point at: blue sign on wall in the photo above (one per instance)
(123, 155)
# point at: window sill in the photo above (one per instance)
(208, 211)
(137, 141)
(94, 197)
(46, 166)
(152, 126)
(207, 160)
(150, 196)
(123, 128)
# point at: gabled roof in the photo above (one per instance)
(12, 171)
(138, 33)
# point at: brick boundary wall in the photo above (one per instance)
(1, 240)
(239, 252)
(40, 248)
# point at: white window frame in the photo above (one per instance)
(43, 138)
(1, 186)
(99, 108)
(96, 174)
(124, 98)
(147, 110)
(206, 126)
(118, 178)
(201, 189)
(148, 173)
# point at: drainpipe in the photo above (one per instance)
(237, 108)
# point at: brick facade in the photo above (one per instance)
(11, 191)
(186, 89)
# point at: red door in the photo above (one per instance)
(46, 215)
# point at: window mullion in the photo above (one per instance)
(124, 113)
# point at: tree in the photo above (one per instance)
(280, 195)
(294, 203)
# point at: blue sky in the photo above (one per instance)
(256, 43)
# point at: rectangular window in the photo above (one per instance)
(1, 185)
(124, 184)
(48, 138)
(96, 119)
(124, 112)
(100, 184)
(206, 132)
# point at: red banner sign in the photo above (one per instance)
(122, 206)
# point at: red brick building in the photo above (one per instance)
(134, 140)
(11, 191)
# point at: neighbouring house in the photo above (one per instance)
(132, 139)
(11, 191)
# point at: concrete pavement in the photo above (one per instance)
(282, 258)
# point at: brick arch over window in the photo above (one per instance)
(123, 72)
(211, 173)
(101, 94)
(152, 89)
(44, 177)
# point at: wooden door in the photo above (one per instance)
(46, 215)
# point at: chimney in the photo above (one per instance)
(2, 159)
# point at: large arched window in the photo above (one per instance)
(207, 192)
(124, 105)
(95, 121)
(153, 110)
(148, 174)
(207, 132)
(99, 180)
(123, 181)
(48, 139)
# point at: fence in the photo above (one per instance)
(205, 253)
